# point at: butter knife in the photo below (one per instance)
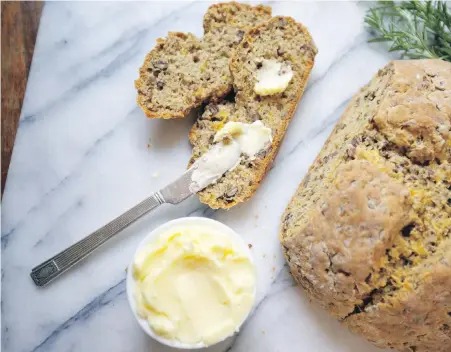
(174, 193)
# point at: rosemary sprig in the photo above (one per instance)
(419, 29)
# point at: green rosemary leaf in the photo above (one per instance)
(380, 39)
(417, 29)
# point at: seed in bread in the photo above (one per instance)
(368, 232)
(275, 111)
(182, 71)
(233, 15)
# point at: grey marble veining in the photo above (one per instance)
(81, 158)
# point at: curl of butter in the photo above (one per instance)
(272, 77)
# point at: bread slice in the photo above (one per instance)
(182, 71)
(280, 39)
(368, 232)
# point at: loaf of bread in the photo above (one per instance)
(280, 39)
(182, 71)
(368, 232)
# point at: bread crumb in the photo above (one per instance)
(249, 245)
(148, 145)
(273, 268)
(256, 216)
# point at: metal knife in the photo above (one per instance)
(49, 270)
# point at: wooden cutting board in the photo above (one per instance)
(20, 22)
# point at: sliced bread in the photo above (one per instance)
(280, 39)
(182, 71)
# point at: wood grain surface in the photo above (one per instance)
(20, 22)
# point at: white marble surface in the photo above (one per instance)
(81, 158)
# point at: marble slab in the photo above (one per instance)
(85, 153)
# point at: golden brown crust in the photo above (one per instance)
(411, 119)
(347, 234)
(410, 321)
(400, 296)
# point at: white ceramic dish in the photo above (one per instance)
(130, 281)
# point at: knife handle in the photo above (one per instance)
(55, 266)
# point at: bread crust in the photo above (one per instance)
(225, 12)
(391, 281)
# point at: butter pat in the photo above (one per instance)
(272, 77)
(213, 164)
(251, 138)
(194, 284)
(234, 139)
